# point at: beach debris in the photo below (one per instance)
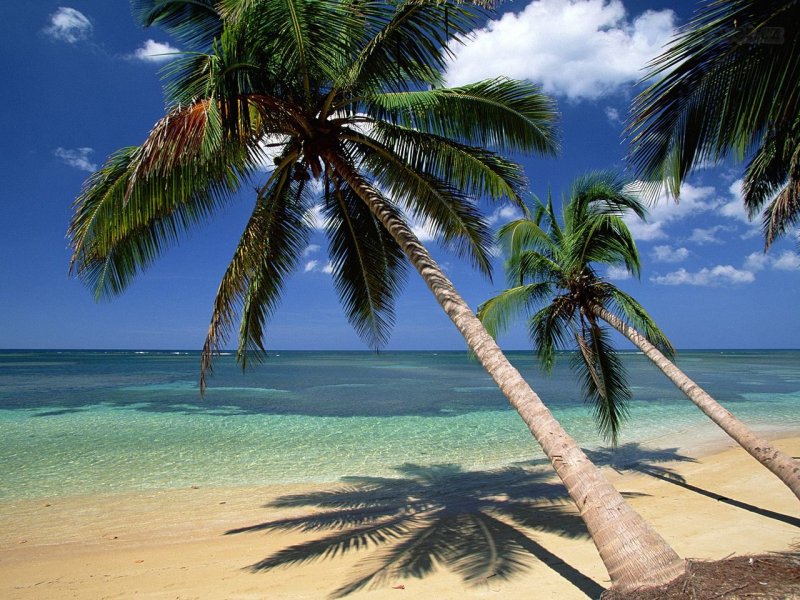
(138, 561)
(195, 487)
(398, 587)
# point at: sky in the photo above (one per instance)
(81, 80)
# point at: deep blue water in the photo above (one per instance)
(76, 422)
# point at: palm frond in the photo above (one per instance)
(502, 114)
(604, 380)
(368, 265)
(721, 84)
(475, 171)
(269, 249)
(195, 23)
(453, 216)
(629, 310)
(498, 313)
(549, 331)
(409, 49)
(121, 224)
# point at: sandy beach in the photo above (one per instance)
(173, 544)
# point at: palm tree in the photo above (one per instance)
(729, 85)
(349, 94)
(556, 267)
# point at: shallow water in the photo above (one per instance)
(91, 422)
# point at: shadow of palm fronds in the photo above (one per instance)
(477, 524)
(635, 457)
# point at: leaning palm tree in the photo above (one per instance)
(348, 94)
(729, 85)
(554, 265)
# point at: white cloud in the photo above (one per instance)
(719, 275)
(665, 211)
(153, 51)
(708, 235)
(504, 214)
(316, 219)
(786, 261)
(618, 273)
(612, 114)
(576, 48)
(423, 229)
(668, 254)
(76, 157)
(69, 25)
(734, 208)
(310, 249)
(313, 266)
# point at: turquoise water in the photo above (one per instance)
(95, 422)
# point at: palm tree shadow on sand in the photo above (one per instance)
(477, 524)
(634, 457)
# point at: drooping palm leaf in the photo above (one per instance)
(368, 266)
(501, 114)
(726, 86)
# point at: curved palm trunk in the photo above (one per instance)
(784, 466)
(634, 554)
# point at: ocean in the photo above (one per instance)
(89, 422)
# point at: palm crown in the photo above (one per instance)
(346, 93)
(728, 85)
(552, 267)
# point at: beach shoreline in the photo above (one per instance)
(173, 543)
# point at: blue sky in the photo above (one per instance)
(82, 79)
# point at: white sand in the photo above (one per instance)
(171, 544)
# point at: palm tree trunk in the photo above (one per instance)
(634, 554)
(785, 467)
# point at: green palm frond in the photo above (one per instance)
(522, 235)
(604, 380)
(629, 310)
(269, 248)
(195, 23)
(409, 49)
(503, 114)
(720, 86)
(121, 225)
(283, 237)
(453, 216)
(475, 171)
(368, 265)
(498, 313)
(549, 330)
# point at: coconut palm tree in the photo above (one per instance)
(729, 85)
(348, 94)
(554, 265)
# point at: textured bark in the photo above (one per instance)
(634, 554)
(785, 467)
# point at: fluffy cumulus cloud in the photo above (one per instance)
(716, 276)
(668, 254)
(504, 214)
(155, 52)
(785, 261)
(709, 235)
(581, 49)
(76, 157)
(618, 273)
(612, 114)
(69, 25)
(666, 211)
